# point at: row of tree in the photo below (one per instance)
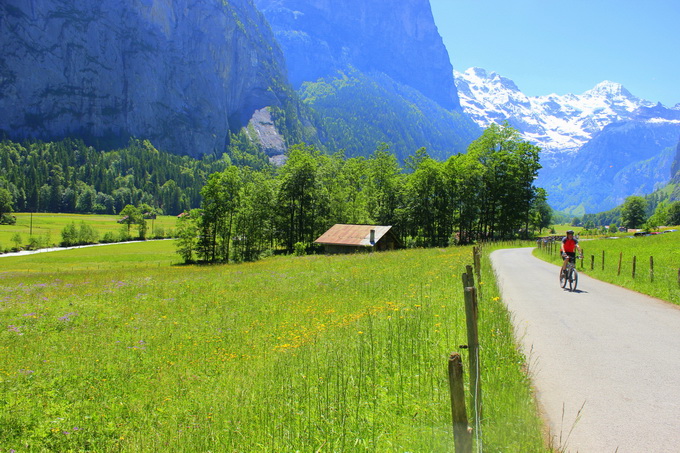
(647, 212)
(68, 176)
(488, 192)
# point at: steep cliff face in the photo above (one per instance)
(395, 37)
(182, 73)
(675, 166)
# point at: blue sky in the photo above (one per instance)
(568, 46)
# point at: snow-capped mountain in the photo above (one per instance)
(597, 147)
(557, 123)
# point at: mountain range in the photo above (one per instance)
(346, 75)
(187, 75)
(597, 147)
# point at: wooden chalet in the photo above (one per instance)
(341, 238)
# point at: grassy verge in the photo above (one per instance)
(115, 348)
(663, 248)
(46, 228)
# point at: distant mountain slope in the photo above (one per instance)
(627, 158)
(178, 72)
(359, 112)
(396, 37)
(374, 72)
(559, 124)
(597, 148)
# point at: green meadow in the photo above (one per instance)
(663, 249)
(46, 228)
(120, 348)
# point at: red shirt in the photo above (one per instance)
(569, 245)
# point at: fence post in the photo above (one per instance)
(462, 435)
(473, 348)
(477, 259)
(634, 262)
(602, 259)
(651, 268)
(620, 259)
(592, 262)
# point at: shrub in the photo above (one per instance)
(109, 237)
(300, 249)
(17, 240)
(8, 219)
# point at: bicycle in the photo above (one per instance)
(570, 274)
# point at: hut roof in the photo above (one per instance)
(341, 234)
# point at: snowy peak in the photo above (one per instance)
(559, 124)
(611, 90)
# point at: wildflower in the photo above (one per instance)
(67, 317)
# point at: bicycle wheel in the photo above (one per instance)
(563, 279)
(572, 272)
(573, 282)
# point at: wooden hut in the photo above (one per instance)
(341, 238)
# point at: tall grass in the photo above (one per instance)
(317, 353)
(664, 248)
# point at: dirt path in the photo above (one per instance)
(605, 361)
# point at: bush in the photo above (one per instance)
(109, 237)
(158, 233)
(17, 241)
(300, 249)
(8, 219)
(85, 234)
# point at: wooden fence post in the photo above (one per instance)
(602, 259)
(592, 262)
(620, 259)
(462, 434)
(473, 348)
(634, 262)
(651, 268)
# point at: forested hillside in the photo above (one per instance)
(356, 112)
(68, 176)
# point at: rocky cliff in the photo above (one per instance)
(395, 37)
(182, 73)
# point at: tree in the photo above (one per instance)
(220, 205)
(299, 197)
(541, 212)
(427, 203)
(5, 205)
(674, 213)
(187, 234)
(384, 186)
(510, 167)
(130, 215)
(660, 217)
(254, 228)
(633, 212)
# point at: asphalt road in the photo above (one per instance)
(605, 361)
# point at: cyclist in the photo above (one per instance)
(568, 249)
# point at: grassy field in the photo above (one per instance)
(119, 348)
(663, 248)
(47, 227)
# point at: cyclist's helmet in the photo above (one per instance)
(570, 231)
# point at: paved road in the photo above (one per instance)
(605, 361)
